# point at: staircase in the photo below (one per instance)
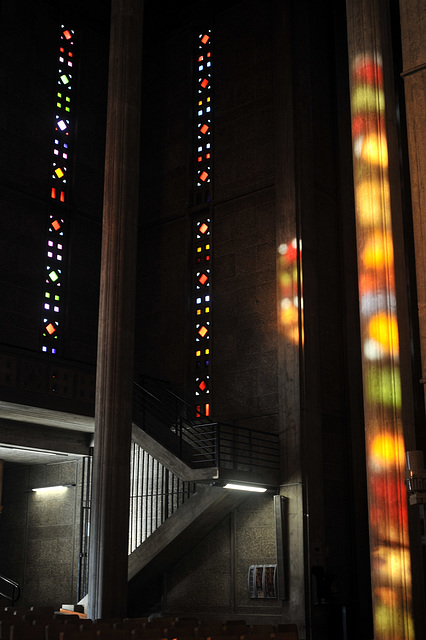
(179, 464)
(200, 450)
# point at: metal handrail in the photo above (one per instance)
(16, 590)
(200, 442)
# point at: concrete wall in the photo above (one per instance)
(39, 533)
(212, 579)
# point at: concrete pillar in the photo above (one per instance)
(113, 406)
(413, 38)
(387, 425)
(1, 483)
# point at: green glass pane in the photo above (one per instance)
(53, 276)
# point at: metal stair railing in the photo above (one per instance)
(199, 442)
(9, 589)
(156, 493)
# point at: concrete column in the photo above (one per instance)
(413, 38)
(113, 406)
(387, 425)
(1, 483)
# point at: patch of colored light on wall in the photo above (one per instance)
(290, 292)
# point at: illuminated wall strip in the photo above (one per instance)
(385, 450)
(202, 228)
(53, 296)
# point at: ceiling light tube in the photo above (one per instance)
(244, 487)
(59, 487)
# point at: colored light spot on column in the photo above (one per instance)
(59, 172)
(204, 83)
(204, 129)
(203, 227)
(203, 278)
(203, 331)
(383, 328)
(202, 385)
(67, 34)
(386, 450)
(62, 125)
(64, 78)
(374, 150)
(204, 175)
(50, 329)
(205, 38)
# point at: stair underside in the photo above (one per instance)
(181, 531)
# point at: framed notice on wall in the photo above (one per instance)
(262, 580)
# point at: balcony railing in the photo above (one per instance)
(200, 443)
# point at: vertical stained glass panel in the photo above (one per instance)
(58, 196)
(202, 273)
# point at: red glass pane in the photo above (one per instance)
(203, 228)
(50, 329)
(203, 278)
(204, 83)
(204, 175)
(205, 38)
(202, 385)
(56, 225)
(204, 128)
(67, 34)
(203, 331)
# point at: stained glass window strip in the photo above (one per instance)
(203, 151)
(202, 313)
(202, 224)
(59, 184)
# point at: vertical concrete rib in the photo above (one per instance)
(113, 407)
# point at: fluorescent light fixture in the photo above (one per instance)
(55, 489)
(244, 487)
